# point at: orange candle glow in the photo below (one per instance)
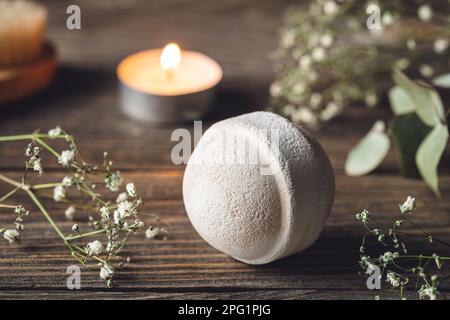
(188, 71)
(167, 84)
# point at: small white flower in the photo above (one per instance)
(288, 109)
(67, 181)
(315, 100)
(29, 150)
(125, 209)
(440, 45)
(121, 197)
(330, 7)
(304, 115)
(393, 279)
(305, 62)
(387, 19)
(138, 223)
(371, 99)
(288, 38)
(11, 235)
(298, 88)
(330, 111)
(94, 248)
(66, 157)
(151, 232)
(318, 54)
(275, 90)
(59, 193)
(131, 189)
(37, 166)
(363, 216)
(437, 260)
(104, 212)
(75, 228)
(113, 181)
(70, 213)
(53, 133)
(106, 272)
(426, 70)
(388, 257)
(408, 206)
(326, 40)
(425, 12)
(117, 217)
(19, 210)
(428, 291)
(411, 44)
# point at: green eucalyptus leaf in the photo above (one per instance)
(401, 102)
(429, 154)
(426, 100)
(408, 132)
(442, 81)
(369, 152)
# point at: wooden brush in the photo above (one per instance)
(22, 31)
(27, 63)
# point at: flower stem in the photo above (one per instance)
(45, 213)
(12, 182)
(92, 194)
(32, 136)
(7, 206)
(84, 252)
(18, 137)
(422, 257)
(45, 185)
(87, 234)
(9, 194)
(46, 146)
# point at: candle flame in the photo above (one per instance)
(170, 56)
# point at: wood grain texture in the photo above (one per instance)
(83, 100)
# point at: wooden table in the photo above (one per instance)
(83, 100)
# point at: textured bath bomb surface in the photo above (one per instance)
(258, 187)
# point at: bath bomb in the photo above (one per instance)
(258, 187)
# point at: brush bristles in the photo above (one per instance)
(22, 31)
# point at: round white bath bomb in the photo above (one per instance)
(258, 187)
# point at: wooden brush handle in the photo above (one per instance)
(21, 81)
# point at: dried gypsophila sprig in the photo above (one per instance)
(399, 268)
(328, 58)
(116, 220)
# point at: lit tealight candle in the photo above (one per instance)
(167, 85)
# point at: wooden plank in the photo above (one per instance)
(84, 101)
(204, 294)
